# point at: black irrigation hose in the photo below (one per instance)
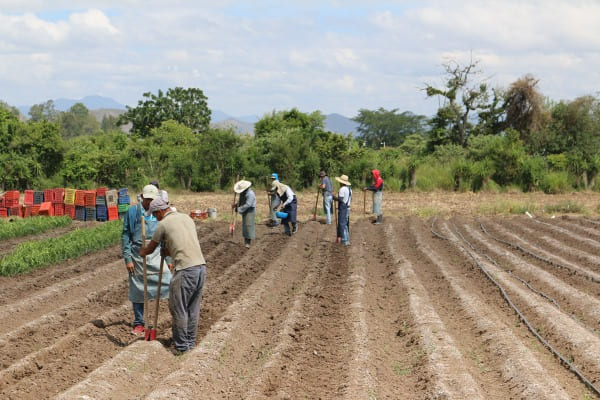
(555, 352)
(538, 257)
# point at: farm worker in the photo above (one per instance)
(131, 241)
(327, 189)
(289, 206)
(377, 189)
(246, 206)
(275, 202)
(178, 232)
(344, 198)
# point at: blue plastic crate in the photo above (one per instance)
(80, 213)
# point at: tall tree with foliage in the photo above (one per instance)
(188, 107)
(77, 121)
(461, 97)
(378, 128)
(43, 112)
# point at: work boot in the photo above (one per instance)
(294, 228)
(379, 220)
(247, 243)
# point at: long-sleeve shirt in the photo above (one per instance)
(247, 201)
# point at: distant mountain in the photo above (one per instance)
(339, 124)
(217, 116)
(240, 127)
(91, 102)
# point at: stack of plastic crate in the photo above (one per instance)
(90, 213)
(38, 197)
(101, 211)
(89, 198)
(124, 196)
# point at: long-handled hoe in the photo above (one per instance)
(316, 203)
(150, 334)
(146, 310)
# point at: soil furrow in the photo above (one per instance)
(520, 371)
(555, 255)
(237, 345)
(231, 272)
(448, 375)
(571, 339)
(572, 300)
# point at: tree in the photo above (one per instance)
(43, 112)
(11, 109)
(109, 123)
(452, 122)
(186, 106)
(386, 128)
(78, 121)
(525, 111)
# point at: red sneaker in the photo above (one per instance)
(138, 330)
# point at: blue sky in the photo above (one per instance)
(250, 58)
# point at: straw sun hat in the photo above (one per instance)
(242, 185)
(343, 179)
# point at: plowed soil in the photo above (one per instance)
(415, 308)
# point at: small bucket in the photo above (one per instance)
(212, 213)
(281, 214)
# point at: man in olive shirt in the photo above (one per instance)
(178, 233)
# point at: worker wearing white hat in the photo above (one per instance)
(344, 198)
(246, 206)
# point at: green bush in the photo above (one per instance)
(555, 182)
(35, 254)
(564, 207)
(29, 226)
(533, 170)
(432, 175)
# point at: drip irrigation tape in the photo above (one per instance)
(538, 257)
(506, 297)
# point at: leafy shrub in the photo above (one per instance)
(431, 175)
(555, 182)
(533, 170)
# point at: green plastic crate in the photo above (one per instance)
(123, 207)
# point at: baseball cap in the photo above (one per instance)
(150, 192)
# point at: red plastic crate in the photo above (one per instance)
(113, 213)
(70, 210)
(46, 209)
(59, 195)
(48, 195)
(12, 195)
(80, 198)
(90, 198)
(1, 202)
(26, 211)
(15, 211)
(101, 191)
(28, 199)
(35, 209)
(3, 212)
(59, 209)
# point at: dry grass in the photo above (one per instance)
(409, 203)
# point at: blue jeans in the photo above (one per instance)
(185, 297)
(138, 314)
(327, 200)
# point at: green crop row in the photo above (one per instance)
(29, 226)
(40, 253)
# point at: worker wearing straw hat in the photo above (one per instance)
(246, 206)
(274, 201)
(344, 198)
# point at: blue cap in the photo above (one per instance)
(274, 176)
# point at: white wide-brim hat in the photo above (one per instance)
(242, 185)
